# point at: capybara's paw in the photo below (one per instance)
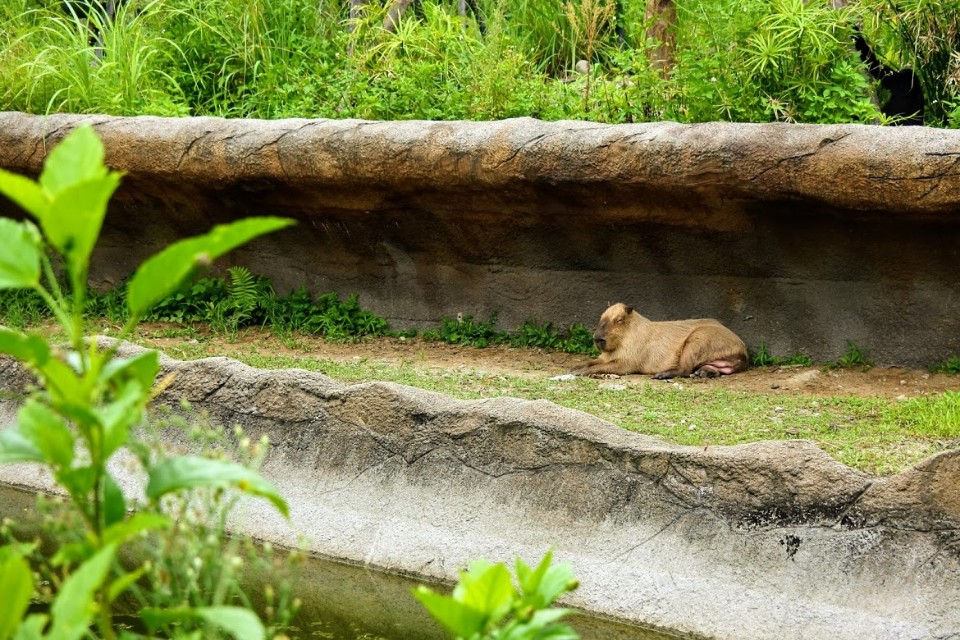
(606, 376)
(706, 371)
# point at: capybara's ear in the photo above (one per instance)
(629, 309)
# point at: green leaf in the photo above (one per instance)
(161, 274)
(14, 447)
(24, 192)
(73, 610)
(462, 621)
(124, 581)
(118, 416)
(32, 350)
(32, 627)
(47, 432)
(189, 472)
(240, 623)
(556, 581)
(79, 481)
(20, 246)
(143, 368)
(542, 586)
(488, 588)
(78, 158)
(139, 522)
(67, 388)
(114, 505)
(73, 222)
(16, 585)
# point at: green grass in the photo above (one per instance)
(296, 58)
(875, 435)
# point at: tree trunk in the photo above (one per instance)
(397, 7)
(661, 15)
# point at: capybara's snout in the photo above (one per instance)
(600, 341)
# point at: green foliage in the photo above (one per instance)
(485, 603)
(853, 357)
(464, 330)
(741, 60)
(327, 316)
(925, 36)
(89, 399)
(760, 357)
(951, 366)
(933, 416)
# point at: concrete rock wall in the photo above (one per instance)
(772, 540)
(799, 236)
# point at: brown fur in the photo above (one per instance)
(630, 343)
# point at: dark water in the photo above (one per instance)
(347, 602)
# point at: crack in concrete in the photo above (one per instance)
(193, 143)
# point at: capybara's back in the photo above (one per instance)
(630, 343)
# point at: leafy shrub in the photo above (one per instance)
(760, 357)
(464, 330)
(752, 60)
(486, 605)
(951, 366)
(90, 401)
(853, 357)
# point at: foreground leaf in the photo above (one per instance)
(191, 472)
(47, 432)
(25, 192)
(161, 274)
(78, 158)
(73, 610)
(14, 447)
(31, 350)
(460, 619)
(16, 585)
(240, 623)
(73, 221)
(19, 255)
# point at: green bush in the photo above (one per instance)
(740, 60)
(90, 403)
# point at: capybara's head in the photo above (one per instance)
(612, 327)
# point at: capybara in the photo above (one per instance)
(630, 343)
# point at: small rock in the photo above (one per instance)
(613, 387)
(582, 67)
(564, 377)
(774, 386)
(901, 397)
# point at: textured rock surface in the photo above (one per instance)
(767, 540)
(798, 236)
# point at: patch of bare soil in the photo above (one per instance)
(880, 381)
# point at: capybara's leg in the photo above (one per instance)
(698, 354)
(598, 367)
(721, 367)
(671, 373)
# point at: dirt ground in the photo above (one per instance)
(878, 381)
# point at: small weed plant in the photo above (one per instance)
(760, 357)
(852, 358)
(89, 403)
(487, 605)
(950, 366)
